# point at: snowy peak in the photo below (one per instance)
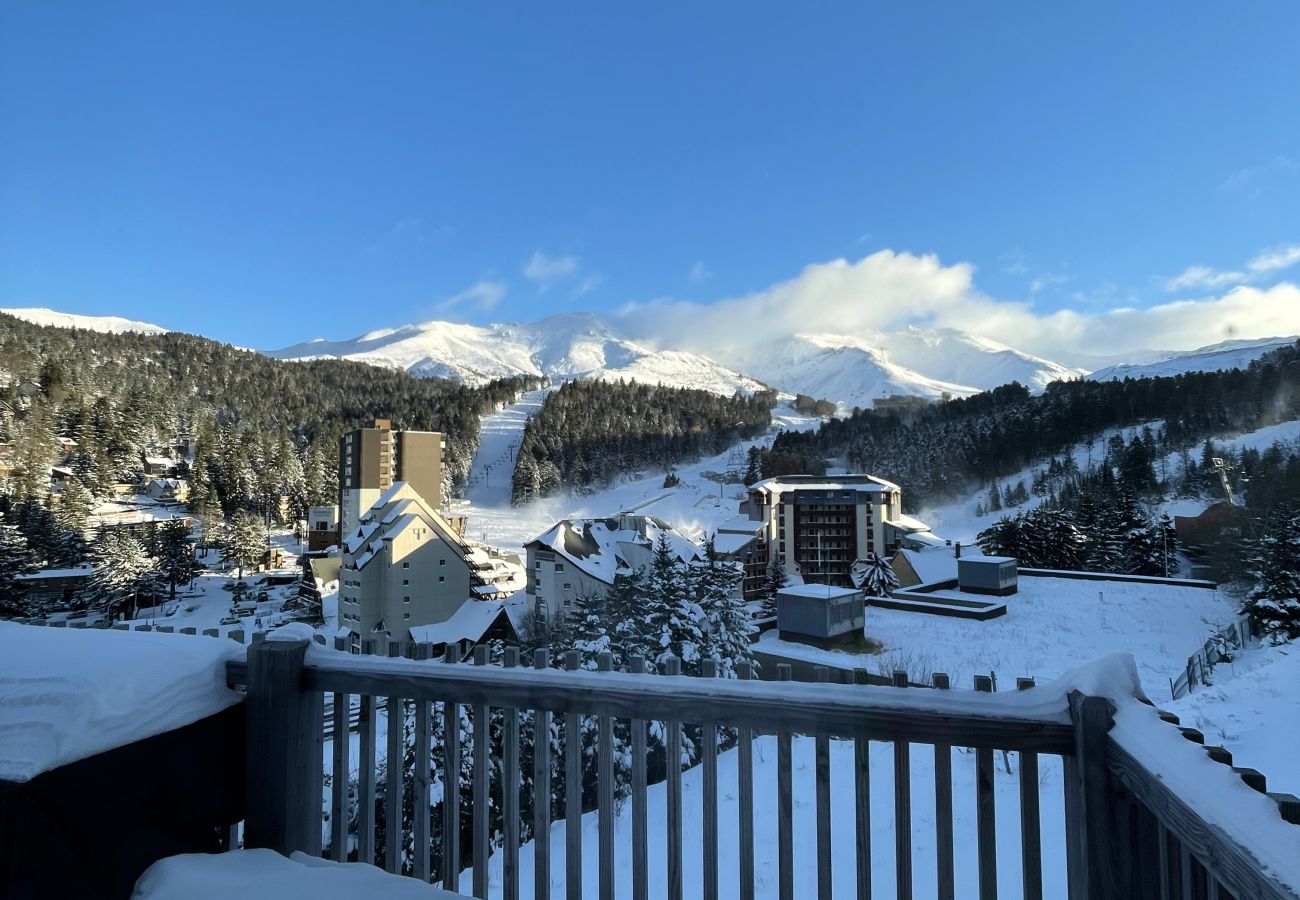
(104, 324)
(562, 347)
(1234, 354)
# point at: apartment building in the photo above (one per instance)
(818, 526)
(405, 566)
(371, 460)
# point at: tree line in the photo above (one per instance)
(589, 432)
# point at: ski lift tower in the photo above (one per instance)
(1223, 469)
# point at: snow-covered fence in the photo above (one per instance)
(1218, 648)
(1115, 818)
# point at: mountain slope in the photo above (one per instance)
(563, 347)
(1235, 354)
(104, 324)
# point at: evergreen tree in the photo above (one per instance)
(676, 621)
(245, 541)
(15, 560)
(877, 576)
(772, 584)
(1274, 604)
(176, 563)
(123, 576)
(727, 622)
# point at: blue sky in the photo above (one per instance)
(266, 173)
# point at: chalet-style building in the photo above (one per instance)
(405, 566)
(581, 557)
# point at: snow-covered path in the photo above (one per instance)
(499, 437)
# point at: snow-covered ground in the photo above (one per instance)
(1051, 625)
(1253, 709)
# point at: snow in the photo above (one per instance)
(563, 347)
(1237, 354)
(1052, 624)
(69, 694)
(106, 324)
(1253, 709)
(55, 573)
(1212, 790)
(266, 875)
(466, 624)
(818, 591)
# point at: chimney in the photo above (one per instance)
(957, 550)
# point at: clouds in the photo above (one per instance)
(1266, 263)
(699, 273)
(482, 295)
(888, 290)
(546, 271)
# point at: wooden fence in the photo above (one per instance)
(1200, 664)
(1124, 835)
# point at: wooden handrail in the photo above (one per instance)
(998, 721)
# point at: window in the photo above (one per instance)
(405, 582)
(406, 565)
(406, 599)
(559, 567)
(442, 578)
(442, 562)
(406, 615)
(567, 585)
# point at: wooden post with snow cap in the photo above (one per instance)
(282, 792)
(1095, 867)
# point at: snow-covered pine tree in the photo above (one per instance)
(15, 560)
(176, 563)
(878, 578)
(772, 584)
(727, 620)
(1274, 604)
(245, 540)
(675, 620)
(121, 579)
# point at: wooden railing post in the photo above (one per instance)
(284, 751)
(1089, 820)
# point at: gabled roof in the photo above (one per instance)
(601, 547)
(470, 622)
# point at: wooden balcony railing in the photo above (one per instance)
(1125, 833)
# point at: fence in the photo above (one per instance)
(1117, 814)
(1200, 664)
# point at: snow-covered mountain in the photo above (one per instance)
(847, 369)
(562, 347)
(1235, 354)
(106, 324)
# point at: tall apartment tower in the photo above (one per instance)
(371, 459)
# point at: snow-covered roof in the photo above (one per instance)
(726, 544)
(782, 484)
(73, 572)
(160, 461)
(601, 547)
(818, 591)
(468, 623)
(936, 564)
(907, 523)
(69, 694)
(740, 525)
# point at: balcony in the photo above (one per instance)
(795, 789)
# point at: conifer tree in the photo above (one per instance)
(15, 560)
(176, 563)
(122, 579)
(245, 541)
(1274, 604)
(878, 578)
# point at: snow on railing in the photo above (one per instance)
(648, 720)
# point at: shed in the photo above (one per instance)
(820, 614)
(987, 575)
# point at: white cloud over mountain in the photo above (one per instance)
(888, 290)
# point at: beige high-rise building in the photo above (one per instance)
(372, 459)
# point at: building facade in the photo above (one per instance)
(405, 566)
(371, 460)
(818, 526)
(581, 557)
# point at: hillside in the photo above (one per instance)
(1214, 358)
(103, 324)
